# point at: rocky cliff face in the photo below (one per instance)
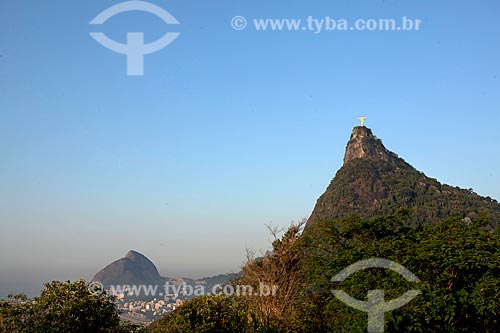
(374, 181)
(363, 144)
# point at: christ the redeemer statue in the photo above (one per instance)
(362, 119)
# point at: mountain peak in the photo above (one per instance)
(374, 182)
(363, 144)
(134, 254)
(134, 268)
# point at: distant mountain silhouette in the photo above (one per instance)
(374, 182)
(133, 269)
(136, 269)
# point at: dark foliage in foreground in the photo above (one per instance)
(62, 307)
(458, 265)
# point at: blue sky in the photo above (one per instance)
(227, 130)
